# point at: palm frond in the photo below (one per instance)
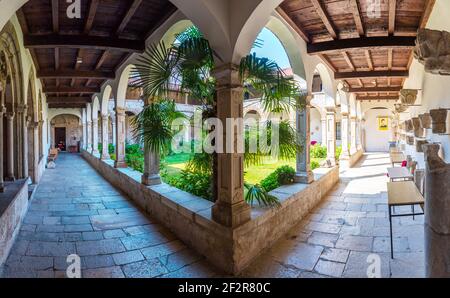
(257, 193)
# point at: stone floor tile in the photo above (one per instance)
(179, 259)
(358, 243)
(147, 268)
(163, 249)
(335, 255)
(300, 255)
(108, 272)
(117, 233)
(99, 247)
(323, 239)
(329, 268)
(50, 249)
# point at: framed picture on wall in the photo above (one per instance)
(383, 123)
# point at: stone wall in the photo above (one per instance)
(189, 217)
(13, 207)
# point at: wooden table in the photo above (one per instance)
(399, 174)
(404, 193)
(397, 158)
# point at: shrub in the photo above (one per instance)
(198, 184)
(338, 152)
(112, 156)
(111, 149)
(314, 164)
(133, 149)
(135, 161)
(281, 176)
(318, 151)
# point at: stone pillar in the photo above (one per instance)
(84, 129)
(303, 162)
(323, 121)
(151, 169)
(358, 135)
(2, 113)
(22, 117)
(437, 209)
(353, 148)
(230, 208)
(95, 136)
(344, 136)
(89, 136)
(113, 126)
(10, 147)
(331, 135)
(105, 137)
(52, 134)
(120, 137)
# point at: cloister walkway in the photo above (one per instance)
(348, 226)
(75, 210)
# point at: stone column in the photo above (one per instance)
(105, 137)
(344, 136)
(353, 148)
(120, 137)
(358, 135)
(2, 113)
(52, 134)
(89, 136)
(84, 137)
(303, 162)
(151, 169)
(95, 136)
(113, 128)
(10, 147)
(323, 121)
(437, 209)
(331, 135)
(230, 208)
(22, 117)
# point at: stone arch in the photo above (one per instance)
(169, 36)
(325, 78)
(284, 35)
(231, 41)
(122, 86)
(105, 97)
(71, 123)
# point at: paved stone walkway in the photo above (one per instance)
(352, 223)
(75, 210)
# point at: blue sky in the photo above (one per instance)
(272, 49)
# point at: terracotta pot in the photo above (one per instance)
(419, 144)
(438, 120)
(425, 120)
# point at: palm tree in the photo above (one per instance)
(187, 65)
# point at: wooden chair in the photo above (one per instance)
(53, 154)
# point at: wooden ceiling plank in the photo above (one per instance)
(348, 60)
(377, 97)
(83, 41)
(370, 74)
(65, 89)
(69, 73)
(55, 16)
(375, 89)
(354, 5)
(327, 62)
(91, 16)
(291, 23)
(427, 12)
(66, 99)
(369, 59)
(390, 55)
(361, 43)
(392, 15)
(323, 14)
(128, 15)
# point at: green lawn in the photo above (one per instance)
(253, 174)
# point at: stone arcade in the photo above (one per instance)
(65, 84)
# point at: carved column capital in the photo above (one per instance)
(227, 77)
(10, 116)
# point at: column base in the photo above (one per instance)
(304, 177)
(120, 164)
(105, 156)
(2, 187)
(10, 178)
(231, 215)
(150, 179)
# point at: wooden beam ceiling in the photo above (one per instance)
(59, 99)
(66, 105)
(392, 13)
(370, 74)
(374, 89)
(321, 11)
(91, 16)
(291, 23)
(377, 98)
(82, 41)
(128, 15)
(356, 11)
(363, 43)
(65, 89)
(55, 15)
(75, 74)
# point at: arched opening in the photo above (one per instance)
(66, 132)
(376, 123)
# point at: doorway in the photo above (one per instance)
(60, 138)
